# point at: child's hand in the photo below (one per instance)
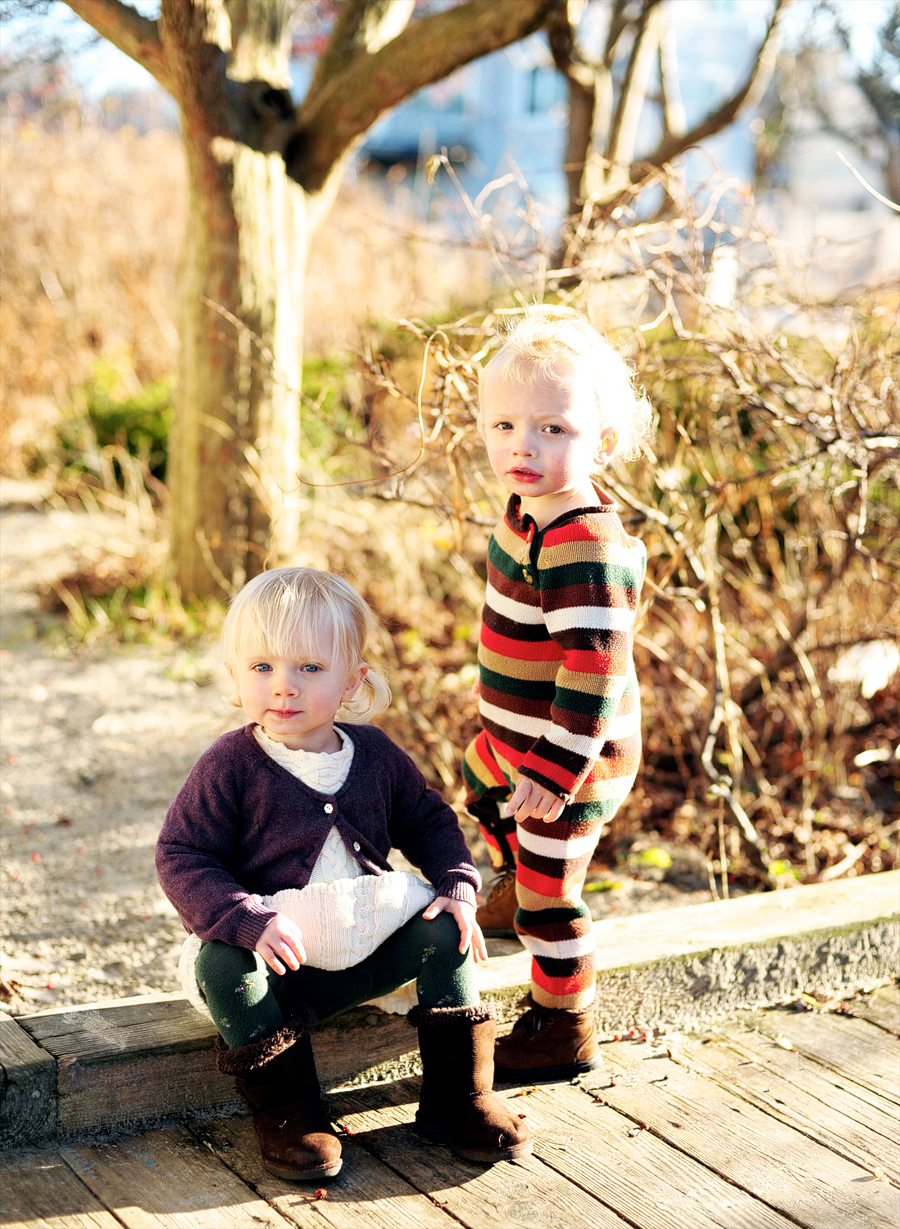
(282, 938)
(469, 930)
(530, 798)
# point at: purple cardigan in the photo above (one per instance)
(242, 827)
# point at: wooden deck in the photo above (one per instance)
(780, 1119)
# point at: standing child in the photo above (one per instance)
(275, 854)
(558, 696)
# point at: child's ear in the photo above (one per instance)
(609, 438)
(235, 700)
(355, 678)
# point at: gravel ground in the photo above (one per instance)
(94, 743)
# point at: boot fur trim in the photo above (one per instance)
(430, 1016)
(239, 1060)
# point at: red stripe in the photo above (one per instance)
(596, 661)
(527, 650)
(544, 885)
(561, 987)
(553, 772)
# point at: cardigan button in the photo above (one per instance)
(328, 808)
(356, 846)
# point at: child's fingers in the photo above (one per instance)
(520, 796)
(555, 811)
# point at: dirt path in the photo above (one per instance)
(94, 743)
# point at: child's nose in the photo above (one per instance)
(524, 445)
(285, 684)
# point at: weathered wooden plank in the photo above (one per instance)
(39, 1191)
(515, 1194)
(167, 1179)
(364, 1045)
(802, 1094)
(793, 1174)
(161, 1023)
(634, 1172)
(130, 1062)
(856, 1049)
(364, 1195)
(27, 1087)
(883, 1008)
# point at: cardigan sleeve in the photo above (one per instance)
(195, 851)
(589, 591)
(426, 831)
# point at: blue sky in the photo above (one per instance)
(101, 69)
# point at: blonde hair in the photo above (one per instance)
(537, 341)
(291, 611)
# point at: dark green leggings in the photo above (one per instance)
(248, 1001)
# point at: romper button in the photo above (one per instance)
(356, 846)
(328, 808)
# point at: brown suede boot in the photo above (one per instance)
(457, 1105)
(278, 1077)
(547, 1043)
(498, 913)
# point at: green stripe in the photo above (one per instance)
(603, 708)
(530, 689)
(503, 562)
(591, 573)
(539, 918)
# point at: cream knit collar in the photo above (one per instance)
(323, 771)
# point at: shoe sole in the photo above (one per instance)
(546, 1075)
(477, 1155)
(289, 1174)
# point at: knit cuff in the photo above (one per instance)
(254, 918)
(458, 889)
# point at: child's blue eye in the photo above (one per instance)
(311, 668)
(261, 667)
(554, 430)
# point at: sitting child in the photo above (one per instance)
(275, 855)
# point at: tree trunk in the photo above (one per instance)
(234, 450)
(235, 442)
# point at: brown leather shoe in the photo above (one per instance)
(278, 1077)
(498, 913)
(547, 1044)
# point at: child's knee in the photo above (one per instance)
(221, 964)
(440, 935)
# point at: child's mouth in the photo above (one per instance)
(524, 475)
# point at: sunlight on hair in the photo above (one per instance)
(292, 612)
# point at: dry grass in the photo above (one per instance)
(769, 509)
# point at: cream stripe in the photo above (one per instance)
(519, 612)
(507, 720)
(554, 847)
(590, 748)
(583, 945)
(600, 618)
(597, 553)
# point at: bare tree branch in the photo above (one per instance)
(126, 29)
(751, 89)
(426, 51)
(362, 26)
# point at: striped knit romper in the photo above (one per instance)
(559, 703)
